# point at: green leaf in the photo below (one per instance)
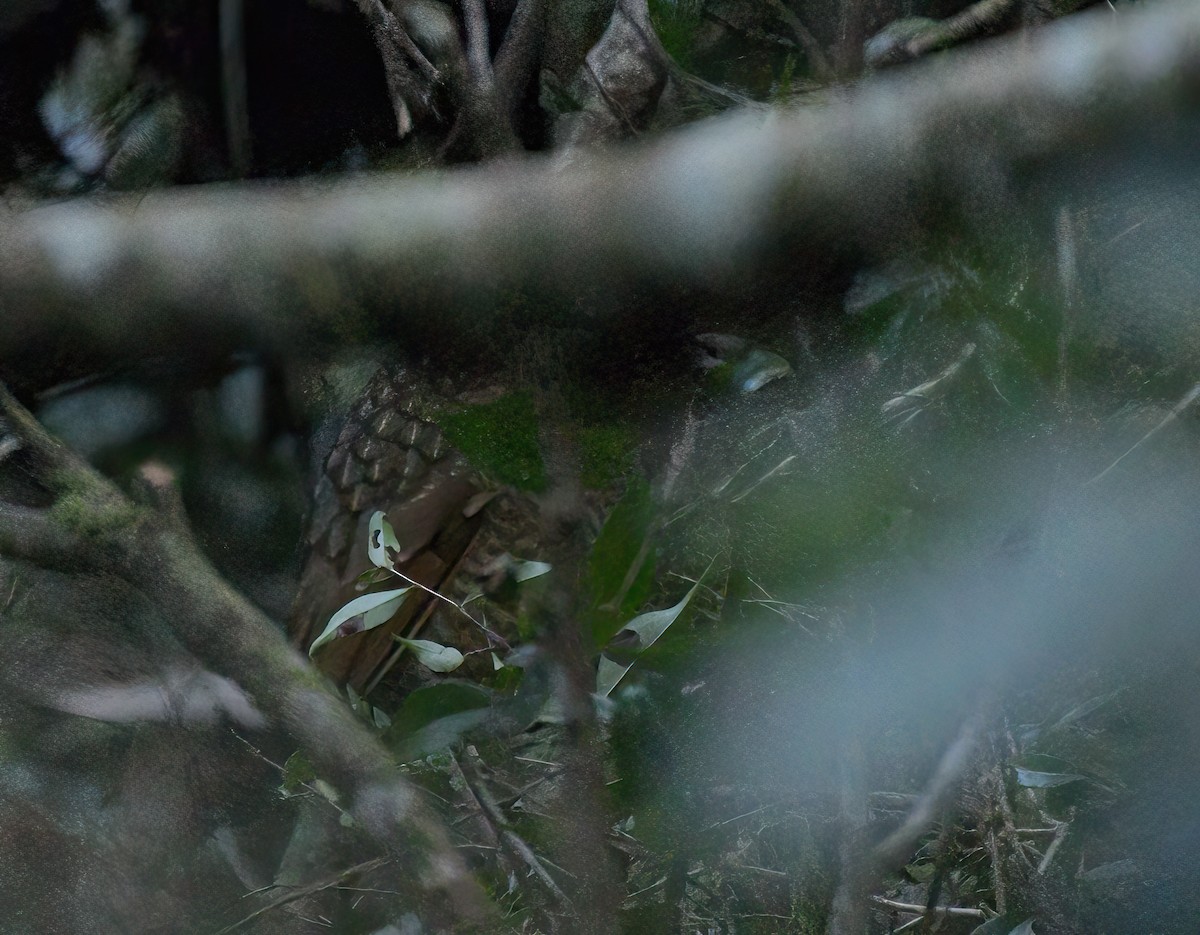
(380, 538)
(362, 613)
(296, 772)
(371, 577)
(639, 635)
(621, 564)
(435, 717)
(609, 674)
(433, 655)
(425, 705)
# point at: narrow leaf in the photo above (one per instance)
(362, 613)
(609, 675)
(641, 632)
(371, 577)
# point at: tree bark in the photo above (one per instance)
(379, 259)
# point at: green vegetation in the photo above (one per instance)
(500, 439)
(676, 23)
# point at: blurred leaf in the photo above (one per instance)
(758, 368)
(920, 873)
(912, 400)
(362, 613)
(1079, 712)
(523, 570)
(621, 563)
(431, 702)
(327, 791)
(435, 717)
(507, 678)
(1033, 779)
(433, 655)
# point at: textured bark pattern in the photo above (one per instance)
(391, 456)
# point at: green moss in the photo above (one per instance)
(605, 454)
(86, 511)
(500, 439)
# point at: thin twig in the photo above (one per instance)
(283, 772)
(310, 889)
(1176, 411)
(921, 910)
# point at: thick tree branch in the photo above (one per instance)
(402, 60)
(519, 52)
(91, 519)
(369, 259)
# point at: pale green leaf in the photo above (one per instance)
(608, 675)
(525, 570)
(371, 611)
(433, 655)
(642, 631)
(380, 538)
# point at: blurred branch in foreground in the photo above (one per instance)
(367, 259)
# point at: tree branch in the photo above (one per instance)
(380, 258)
(92, 519)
